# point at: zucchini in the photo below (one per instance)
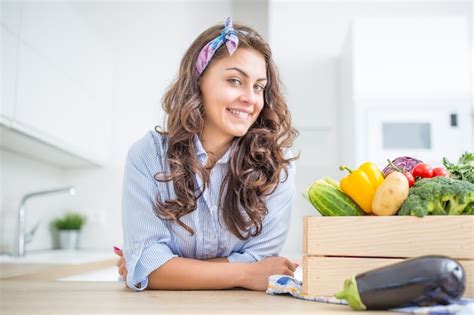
(422, 281)
(329, 200)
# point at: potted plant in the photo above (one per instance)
(69, 227)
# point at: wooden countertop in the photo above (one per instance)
(70, 297)
(49, 272)
(32, 289)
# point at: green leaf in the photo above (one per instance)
(70, 221)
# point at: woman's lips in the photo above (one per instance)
(239, 113)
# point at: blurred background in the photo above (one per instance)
(82, 80)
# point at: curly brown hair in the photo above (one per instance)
(258, 159)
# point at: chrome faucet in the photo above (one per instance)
(22, 238)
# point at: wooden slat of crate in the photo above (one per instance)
(392, 236)
(326, 275)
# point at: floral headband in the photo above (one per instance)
(228, 36)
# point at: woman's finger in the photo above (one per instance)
(118, 251)
(291, 265)
(288, 272)
(122, 271)
(295, 265)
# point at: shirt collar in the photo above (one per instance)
(202, 154)
(226, 157)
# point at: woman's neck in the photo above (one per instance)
(215, 146)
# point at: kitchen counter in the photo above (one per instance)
(58, 297)
(49, 272)
(33, 289)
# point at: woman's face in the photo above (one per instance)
(232, 90)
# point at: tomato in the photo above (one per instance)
(422, 170)
(440, 171)
(411, 179)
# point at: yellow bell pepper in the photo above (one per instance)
(361, 184)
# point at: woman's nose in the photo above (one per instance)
(248, 96)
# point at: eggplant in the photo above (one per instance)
(421, 281)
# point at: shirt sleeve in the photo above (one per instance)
(274, 226)
(146, 237)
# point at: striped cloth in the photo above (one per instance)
(149, 242)
(286, 285)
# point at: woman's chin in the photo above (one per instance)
(239, 132)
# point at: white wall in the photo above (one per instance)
(307, 38)
(18, 176)
(253, 13)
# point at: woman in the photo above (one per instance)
(206, 203)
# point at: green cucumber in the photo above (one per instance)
(329, 200)
(331, 182)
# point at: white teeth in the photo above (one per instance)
(239, 113)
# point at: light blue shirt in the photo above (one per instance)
(150, 242)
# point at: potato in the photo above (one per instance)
(390, 195)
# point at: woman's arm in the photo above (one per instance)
(216, 273)
(220, 259)
(189, 274)
(184, 273)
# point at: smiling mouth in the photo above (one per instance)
(239, 113)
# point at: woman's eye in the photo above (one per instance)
(259, 88)
(234, 81)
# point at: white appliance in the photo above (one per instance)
(425, 133)
(405, 90)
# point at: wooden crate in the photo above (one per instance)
(336, 248)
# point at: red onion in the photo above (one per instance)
(403, 163)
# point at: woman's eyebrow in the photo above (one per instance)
(244, 73)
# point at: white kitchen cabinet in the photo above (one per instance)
(56, 108)
(10, 15)
(8, 74)
(63, 92)
(57, 32)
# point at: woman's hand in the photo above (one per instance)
(256, 275)
(121, 263)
